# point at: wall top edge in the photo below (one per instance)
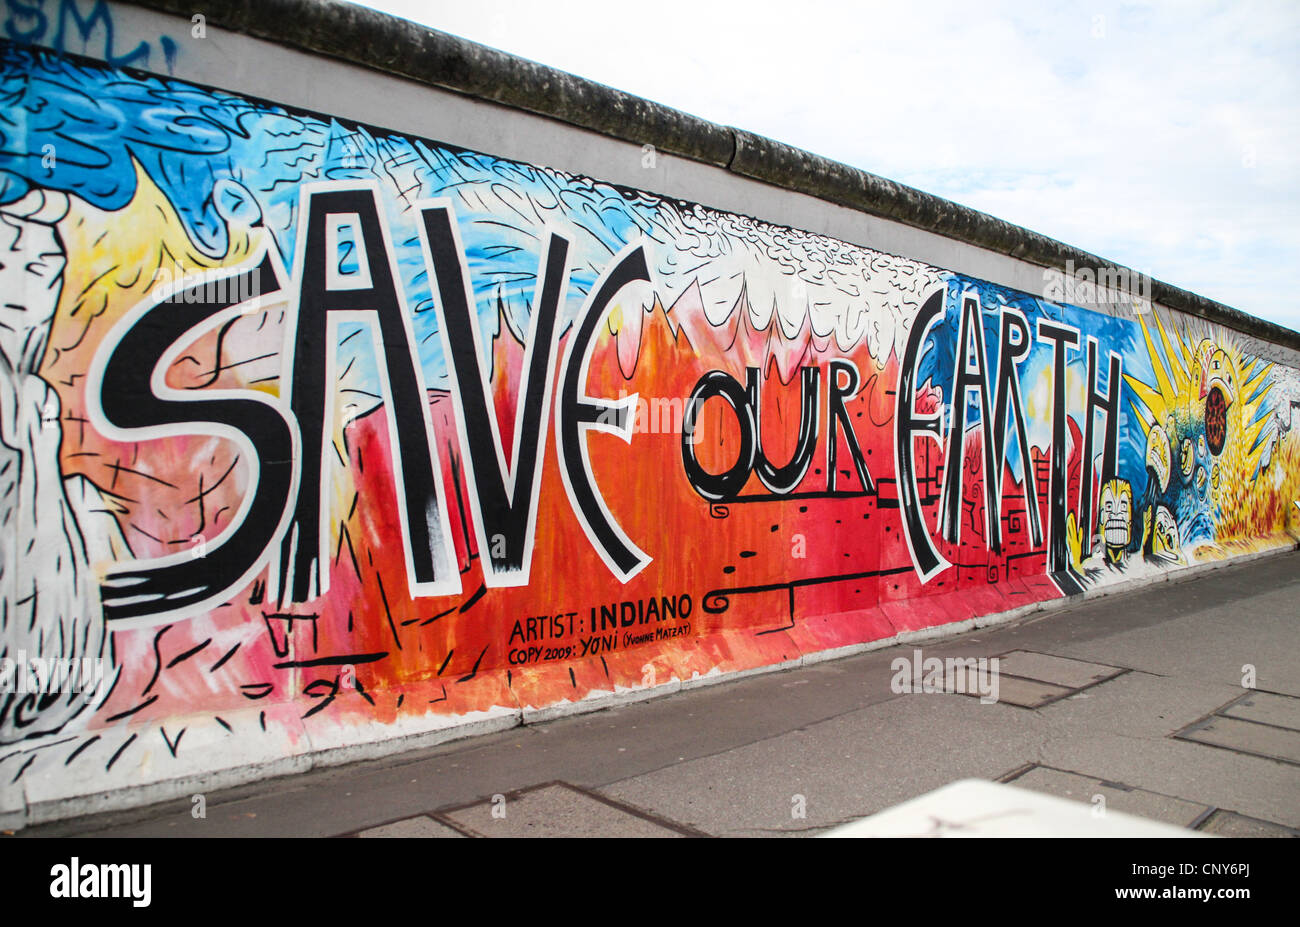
(378, 41)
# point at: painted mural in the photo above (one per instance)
(310, 427)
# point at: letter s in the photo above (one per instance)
(128, 400)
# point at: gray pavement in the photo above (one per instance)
(1136, 700)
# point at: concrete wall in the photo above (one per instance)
(360, 399)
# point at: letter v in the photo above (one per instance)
(503, 500)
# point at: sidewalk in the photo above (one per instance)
(1137, 698)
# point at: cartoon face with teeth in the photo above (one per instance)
(1115, 518)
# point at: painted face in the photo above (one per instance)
(1217, 372)
(1158, 455)
(1164, 539)
(1115, 515)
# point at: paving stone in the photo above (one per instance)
(418, 826)
(1227, 824)
(1267, 708)
(1261, 787)
(555, 811)
(1073, 674)
(1027, 693)
(1137, 705)
(1248, 737)
(841, 769)
(1129, 800)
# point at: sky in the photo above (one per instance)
(1164, 137)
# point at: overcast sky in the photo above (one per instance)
(1160, 136)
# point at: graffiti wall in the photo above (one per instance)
(311, 429)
